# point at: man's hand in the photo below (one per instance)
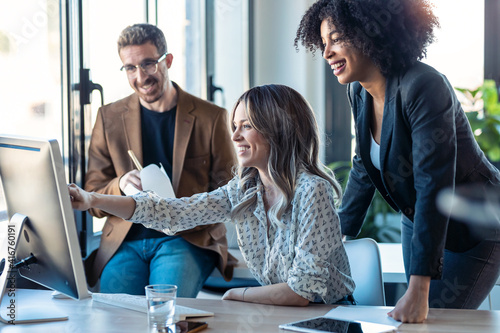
(131, 178)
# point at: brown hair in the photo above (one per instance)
(287, 122)
(142, 33)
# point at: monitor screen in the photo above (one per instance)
(41, 226)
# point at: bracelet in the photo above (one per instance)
(244, 291)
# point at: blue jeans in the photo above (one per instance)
(169, 259)
(467, 277)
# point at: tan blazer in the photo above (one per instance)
(202, 161)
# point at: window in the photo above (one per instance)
(230, 65)
(183, 23)
(30, 63)
(101, 56)
(30, 67)
(458, 52)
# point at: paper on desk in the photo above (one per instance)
(153, 179)
(371, 314)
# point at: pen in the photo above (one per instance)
(135, 160)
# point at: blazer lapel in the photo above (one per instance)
(388, 120)
(131, 120)
(364, 132)
(184, 123)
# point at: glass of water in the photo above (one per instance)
(161, 306)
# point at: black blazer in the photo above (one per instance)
(426, 145)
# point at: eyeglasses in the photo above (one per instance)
(148, 67)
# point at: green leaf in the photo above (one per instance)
(475, 123)
(490, 96)
(486, 120)
(468, 92)
(494, 154)
(494, 110)
(341, 170)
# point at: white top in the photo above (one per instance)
(375, 153)
(309, 255)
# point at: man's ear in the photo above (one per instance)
(169, 59)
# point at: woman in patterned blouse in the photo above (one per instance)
(282, 201)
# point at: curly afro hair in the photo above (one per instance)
(393, 33)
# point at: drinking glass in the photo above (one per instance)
(161, 306)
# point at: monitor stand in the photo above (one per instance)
(12, 312)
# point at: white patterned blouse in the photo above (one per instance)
(308, 254)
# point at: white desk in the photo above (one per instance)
(392, 263)
(230, 317)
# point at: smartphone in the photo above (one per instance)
(190, 326)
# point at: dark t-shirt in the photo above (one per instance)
(158, 130)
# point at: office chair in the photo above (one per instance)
(366, 270)
(215, 283)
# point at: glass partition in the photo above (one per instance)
(101, 57)
(30, 68)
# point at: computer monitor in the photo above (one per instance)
(41, 232)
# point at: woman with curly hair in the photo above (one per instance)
(412, 141)
(282, 202)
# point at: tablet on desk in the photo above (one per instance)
(329, 325)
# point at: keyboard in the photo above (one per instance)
(138, 303)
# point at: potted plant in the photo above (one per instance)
(483, 111)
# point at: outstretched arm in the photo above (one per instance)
(274, 294)
(117, 205)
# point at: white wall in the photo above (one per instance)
(275, 58)
(231, 50)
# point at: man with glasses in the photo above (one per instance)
(189, 137)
